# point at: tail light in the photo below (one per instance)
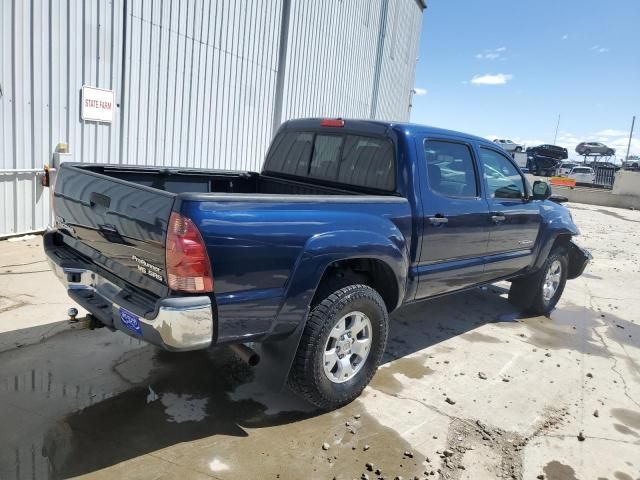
(188, 266)
(332, 122)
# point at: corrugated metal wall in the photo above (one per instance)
(48, 50)
(197, 83)
(202, 95)
(352, 59)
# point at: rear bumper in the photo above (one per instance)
(175, 323)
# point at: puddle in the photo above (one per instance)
(189, 409)
(571, 327)
(625, 430)
(474, 337)
(591, 275)
(183, 408)
(236, 439)
(616, 215)
(606, 212)
(558, 471)
(622, 476)
(411, 367)
(629, 417)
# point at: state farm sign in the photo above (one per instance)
(97, 104)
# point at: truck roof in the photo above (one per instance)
(379, 127)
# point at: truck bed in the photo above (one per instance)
(175, 180)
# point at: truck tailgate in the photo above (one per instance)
(119, 225)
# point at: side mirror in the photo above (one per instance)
(541, 190)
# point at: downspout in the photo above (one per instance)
(282, 66)
(379, 52)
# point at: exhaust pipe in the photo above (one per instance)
(246, 354)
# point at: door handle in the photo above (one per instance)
(438, 220)
(498, 217)
(97, 199)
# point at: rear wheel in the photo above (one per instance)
(518, 149)
(540, 292)
(341, 347)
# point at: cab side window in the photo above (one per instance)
(501, 177)
(450, 169)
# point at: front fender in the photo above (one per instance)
(556, 222)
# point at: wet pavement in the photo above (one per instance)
(469, 389)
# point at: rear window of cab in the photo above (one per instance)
(350, 160)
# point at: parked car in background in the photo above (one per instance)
(612, 165)
(633, 163)
(582, 174)
(594, 148)
(565, 167)
(348, 220)
(553, 151)
(542, 166)
(509, 145)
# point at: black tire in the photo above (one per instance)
(587, 152)
(518, 149)
(528, 293)
(307, 376)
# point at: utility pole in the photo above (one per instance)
(557, 126)
(633, 122)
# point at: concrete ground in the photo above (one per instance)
(469, 389)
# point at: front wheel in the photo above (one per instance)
(341, 347)
(540, 292)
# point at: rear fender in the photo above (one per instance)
(320, 252)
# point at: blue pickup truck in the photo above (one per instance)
(348, 220)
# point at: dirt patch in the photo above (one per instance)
(559, 471)
(465, 435)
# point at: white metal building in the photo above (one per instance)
(196, 83)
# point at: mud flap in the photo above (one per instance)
(523, 290)
(276, 358)
(579, 258)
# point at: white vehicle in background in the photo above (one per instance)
(582, 174)
(509, 145)
(566, 167)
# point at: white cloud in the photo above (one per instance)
(610, 132)
(491, 79)
(418, 92)
(620, 144)
(599, 49)
(491, 54)
(565, 36)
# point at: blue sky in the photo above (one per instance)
(505, 68)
